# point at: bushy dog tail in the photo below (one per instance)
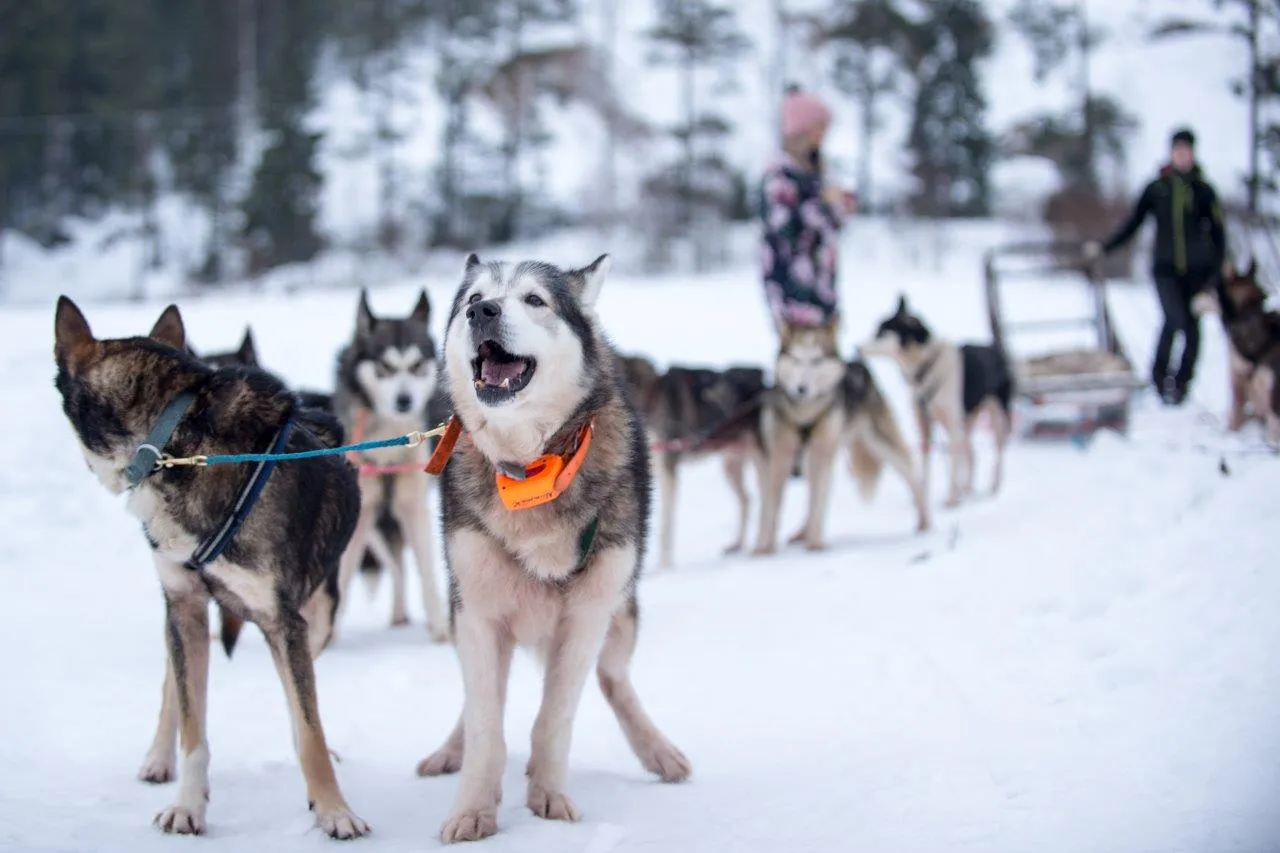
(229, 625)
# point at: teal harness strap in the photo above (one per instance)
(398, 441)
(152, 447)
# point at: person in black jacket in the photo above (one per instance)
(1189, 250)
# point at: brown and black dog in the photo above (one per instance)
(1253, 338)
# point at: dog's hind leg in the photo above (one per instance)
(893, 449)
(1001, 426)
(656, 753)
(667, 482)
(412, 511)
(187, 622)
(157, 767)
(735, 462)
(291, 652)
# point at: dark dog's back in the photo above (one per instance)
(985, 373)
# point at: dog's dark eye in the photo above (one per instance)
(535, 300)
(474, 298)
(420, 367)
(381, 369)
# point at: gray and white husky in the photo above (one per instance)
(819, 404)
(386, 383)
(532, 378)
(952, 384)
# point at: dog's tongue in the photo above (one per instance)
(493, 372)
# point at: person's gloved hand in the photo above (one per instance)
(1092, 250)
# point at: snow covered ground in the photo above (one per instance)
(1089, 661)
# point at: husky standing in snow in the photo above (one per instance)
(693, 412)
(228, 532)
(545, 515)
(952, 384)
(819, 404)
(385, 386)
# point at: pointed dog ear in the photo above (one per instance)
(365, 321)
(472, 261)
(248, 352)
(586, 282)
(73, 341)
(169, 329)
(902, 303)
(1252, 272)
(422, 310)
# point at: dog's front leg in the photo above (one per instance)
(412, 511)
(782, 445)
(291, 653)
(735, 463)
(157, 767)
(925, 424)
(187, 623)
(821, 464)
(572, 654)
(484, 651)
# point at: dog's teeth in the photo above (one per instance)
(479, 384)
(506, 384)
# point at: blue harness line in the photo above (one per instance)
(212, 547)
(150, 458)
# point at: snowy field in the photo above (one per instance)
(1090, 661)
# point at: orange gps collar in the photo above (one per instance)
(544, 480)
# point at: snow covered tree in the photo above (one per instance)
(1256, 25)
(951, 148)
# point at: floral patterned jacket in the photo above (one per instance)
(798, 249)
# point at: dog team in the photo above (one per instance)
(544, 481)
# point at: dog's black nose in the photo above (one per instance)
(404, 403)
(484, 310)
(802, 391)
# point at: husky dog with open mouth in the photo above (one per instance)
(545, 517)
(263, 540)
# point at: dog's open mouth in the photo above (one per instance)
(498, 374)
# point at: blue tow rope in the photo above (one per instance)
(409, 440)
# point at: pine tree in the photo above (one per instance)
(1255, 24)
(695, 35)
(874, 43)
(281, 208)
(951, 148)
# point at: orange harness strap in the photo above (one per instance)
(545, 479)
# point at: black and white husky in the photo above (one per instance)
(535, 385)
(952, 384)
(385, 386)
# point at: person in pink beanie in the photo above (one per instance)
(802, 218)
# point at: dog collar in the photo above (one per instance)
(538, 483)
(152, 447)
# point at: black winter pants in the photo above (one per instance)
(1176, 293)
